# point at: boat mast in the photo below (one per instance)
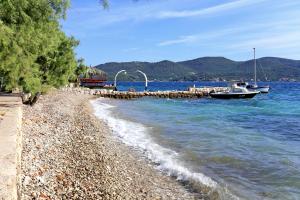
(254, 67)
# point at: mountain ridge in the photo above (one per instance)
(207, 68)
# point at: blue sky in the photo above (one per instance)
(154, 30)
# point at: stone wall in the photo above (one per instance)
(191, 93)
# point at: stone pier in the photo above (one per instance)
(191, 93)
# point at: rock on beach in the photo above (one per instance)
(69, 154)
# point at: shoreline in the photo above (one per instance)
(137, 137)
(69, 153)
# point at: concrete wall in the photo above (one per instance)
(10, 146)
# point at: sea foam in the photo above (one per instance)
(136, 135)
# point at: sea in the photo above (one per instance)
(241, 148)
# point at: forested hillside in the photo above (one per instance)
(208, 68)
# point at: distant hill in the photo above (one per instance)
(207, 68)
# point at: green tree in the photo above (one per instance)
(34, 51)
(82, 69)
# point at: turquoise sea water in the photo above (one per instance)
(247, 149)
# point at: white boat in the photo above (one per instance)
(255, 87)
(261, 89)
(234, 92)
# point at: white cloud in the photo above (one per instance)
(204, 36)
(267, 32)
(180, 40)
(210, 10)
(277, 41)
(153, 11)
(271, 26)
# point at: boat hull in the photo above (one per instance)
(262, 89)
(233, 95)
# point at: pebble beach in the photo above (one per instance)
(70, 154)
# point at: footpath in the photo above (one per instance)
(10, 145)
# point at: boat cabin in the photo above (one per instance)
(95, 79)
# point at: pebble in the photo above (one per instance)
(69, 154)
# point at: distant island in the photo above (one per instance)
(207, 69)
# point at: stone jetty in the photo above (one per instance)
(190, 93)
